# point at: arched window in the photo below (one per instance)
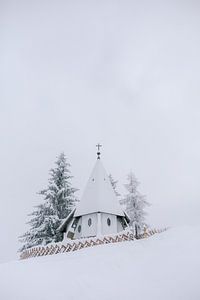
(89, 222)
(108, 222)
(79, 228)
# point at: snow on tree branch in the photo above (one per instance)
(135, 204)
(59, 200)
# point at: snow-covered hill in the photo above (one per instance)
(165, 267)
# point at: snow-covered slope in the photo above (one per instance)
(165, 267)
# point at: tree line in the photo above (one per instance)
(59, 198)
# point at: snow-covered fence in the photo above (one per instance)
(70, 246)
(76, 245)
(150, 232)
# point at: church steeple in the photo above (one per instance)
(98, 212)
(99, 195)
(98, 152)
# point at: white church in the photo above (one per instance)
(98, 213)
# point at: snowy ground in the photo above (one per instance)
(165, 267)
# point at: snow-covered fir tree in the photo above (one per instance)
(40, 232)
(134, 203)
(59, 200)
(114, 185)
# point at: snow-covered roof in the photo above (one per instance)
(66, 221)
(99, 195)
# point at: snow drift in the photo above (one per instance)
(165, 267)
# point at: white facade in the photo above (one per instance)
(96, 224)
(88, 225)
(108, 224)
(99, 212)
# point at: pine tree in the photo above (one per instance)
(135, 204)
(114, 185)
(59, 200)
(42, 226)
(59, 193)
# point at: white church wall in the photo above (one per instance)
(89, 225)
(78, 230)
(95, 224)
(69, 233)
(108, 224)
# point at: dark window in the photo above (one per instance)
(108, 222)
(89, 222)
(70, 235)
(122, 222)
(75, 223)
(79, 228)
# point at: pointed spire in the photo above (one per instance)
(99, 195)
(98, 152)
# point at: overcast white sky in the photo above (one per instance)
(123, 73)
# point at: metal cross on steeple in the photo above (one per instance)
(98, 152)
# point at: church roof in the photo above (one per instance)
(66, 221)
(99, 195)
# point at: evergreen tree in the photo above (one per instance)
(114, 185)
(135, 204)
(59, 200)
